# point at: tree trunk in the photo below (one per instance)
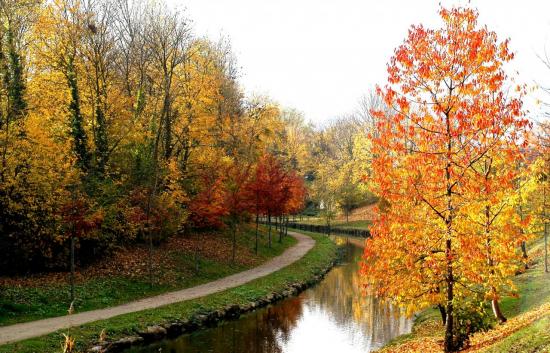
(72, 267)
(545, 229)
(449, 345)
(234, 250)
(256, 244)
(449, 342)
(269, 236)
(523, 245)
(150, 258)
(546, 247)
(280, 229)
(197, 267)
(496, 310)
(524, 252)
(443, 313)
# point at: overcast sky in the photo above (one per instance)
(320, 56)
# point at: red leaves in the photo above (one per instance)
(446, 164)
(208, 207)
(78, 217)
(276, 191)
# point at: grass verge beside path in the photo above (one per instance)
(124, 276)
(318, 258)
(360, 225)
(527, 330)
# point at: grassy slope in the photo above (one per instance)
(362, 224)
(27, 303)
(534, 289)
(315, 260)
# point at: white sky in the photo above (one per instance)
(320, 56)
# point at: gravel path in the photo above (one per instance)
(18, 332)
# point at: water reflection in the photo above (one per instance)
(331, 317)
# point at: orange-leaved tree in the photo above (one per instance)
(450, 111)
(295, 198)
(259, 188)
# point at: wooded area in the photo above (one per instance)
(122, 128)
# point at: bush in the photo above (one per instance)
(470, 316)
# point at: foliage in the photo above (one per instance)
(145, 117)
(444, 160)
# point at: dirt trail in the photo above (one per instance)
(18, 332)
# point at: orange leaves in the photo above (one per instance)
(208, 207)
(78, 217)
(445, 161)
(274, 190)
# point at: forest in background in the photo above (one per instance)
(120, 125)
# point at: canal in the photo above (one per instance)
(333, 316)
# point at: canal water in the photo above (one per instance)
(333, 316)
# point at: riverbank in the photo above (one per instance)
(527, 328)
(190, 315)
(180, 262)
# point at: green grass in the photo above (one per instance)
(533, 338)
(361, 224)
(28, 303)
(534, 289)
(324, 252)
(533, 286)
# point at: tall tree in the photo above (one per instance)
(450, 110)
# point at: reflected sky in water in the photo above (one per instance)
(333, 316)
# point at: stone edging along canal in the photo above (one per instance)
(208, 319)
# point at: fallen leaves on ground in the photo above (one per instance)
(484, 339)
(478, 341)
(174, 258)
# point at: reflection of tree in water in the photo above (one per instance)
(337, 298)
(340, 295)
(258, 332)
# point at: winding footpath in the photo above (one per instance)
(18, 332)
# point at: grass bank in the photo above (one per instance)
(527, 329)
(124, 276)
(316, 260)
(360, 224)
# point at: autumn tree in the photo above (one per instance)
(148, 118)
(450, 111)
(259, 188)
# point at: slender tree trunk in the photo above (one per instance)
(234, 250)
(197, 255)
(523, 245)
(449, 344)
(545, 228)
(72, 266)
(150, 258)
(443, 313)
(546, 247)
(524, 252)
(256, 244)
(280, 229)
(269, 236)
(496, 310)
